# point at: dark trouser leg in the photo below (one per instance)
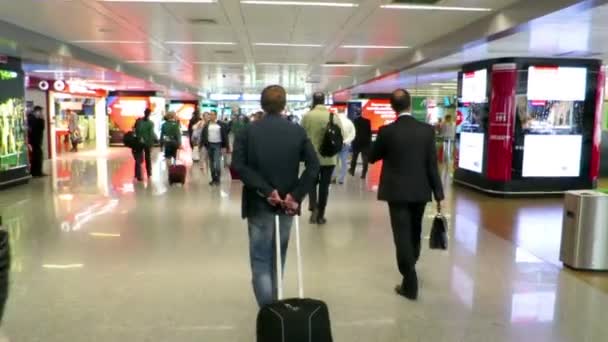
(324, 183)
(401, 222)
(36, 160)
(148, 157)
(353, 161)
(313, 198)
(215, 159)
(365, 160)
(138, 156)
(416, 217)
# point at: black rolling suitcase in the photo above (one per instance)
(293, 320)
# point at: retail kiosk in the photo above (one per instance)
(530, 125)
(14, 163)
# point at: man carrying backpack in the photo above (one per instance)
(325, 132)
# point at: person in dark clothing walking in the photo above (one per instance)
(409, 179)
(196, 117)
(361, 144)
(144, 131)
(36, 125)
(267, 155)
(215, 139)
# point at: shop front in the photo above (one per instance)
(124, 108)
(76, 115)
(14, 164)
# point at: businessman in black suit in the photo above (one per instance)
(361, 144)
(267, 155)
(409, 177)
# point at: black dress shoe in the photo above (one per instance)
(314, 217)
(411, 295)
(321, 221)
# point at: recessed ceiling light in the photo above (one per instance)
(440, 84)
(288, 64)
(218, 63)
(108, 42)
(180, 42)
(56, 71)
(345, 65)
(436, 8)
(163, 1)
(299, 3)
(148, 62)
(287, 45)
(375, 47)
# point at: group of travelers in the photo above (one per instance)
(269, 150)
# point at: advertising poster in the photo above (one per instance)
(419, 110)
(184, 112)
(123, 111)
(379, 112)
(552, 155)
(474, 86)
(13, 129)
(471, 151)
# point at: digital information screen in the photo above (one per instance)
(471, 151)
(557, 83)
(474, 86)
(552, 155)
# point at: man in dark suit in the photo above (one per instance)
(361, 144)
(409, 176)
(36, 125)
(267, 155)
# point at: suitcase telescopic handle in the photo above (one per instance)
(279, 261)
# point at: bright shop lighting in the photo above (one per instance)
(375, 47)
(108, 42)
(287, 45)
(345, 65)
(186, 42)
(299, 3)
(62, 266)
(436, 8)
(218, 63)
(104, 235)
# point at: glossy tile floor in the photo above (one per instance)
(97, 258)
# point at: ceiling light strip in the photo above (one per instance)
(185, 42)
(375, 47)
(287, 45)
(436, 8)
(108, 41)
(299, 3)
(165, 1)
(149, 62)
(345, 65)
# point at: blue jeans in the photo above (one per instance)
(215, 161)
(262, 253)
(343, 166)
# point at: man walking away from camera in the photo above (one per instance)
(315, 123)
(361, 144)
(267, 155)
(144, 131)
(36, 125)
(409, 178)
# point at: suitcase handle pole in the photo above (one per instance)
(299, 259)
(279, 263)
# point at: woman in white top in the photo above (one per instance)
(448, 133)
(348, 134)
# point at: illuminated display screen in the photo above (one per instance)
(552, 155)
(471, 151)
(474, 86)
(557, 83)
(13, 128)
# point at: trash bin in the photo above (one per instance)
(584, 242)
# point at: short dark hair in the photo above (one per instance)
(37, 108)
(147, 112)
(318, 98)
(274, 99)
(401, 100)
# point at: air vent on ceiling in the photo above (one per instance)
(223, 52)
(415, 2)
(202, 21)
(313, 81)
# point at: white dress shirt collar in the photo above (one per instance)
(405, 114)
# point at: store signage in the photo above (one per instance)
(8, 75)
(379, 112)
(43, 85)
(59, 85)
(474, 86)
(557, 83)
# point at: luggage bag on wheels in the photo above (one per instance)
(177, 173)
(297, 319)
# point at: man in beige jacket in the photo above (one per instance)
(315, 123)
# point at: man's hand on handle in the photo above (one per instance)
(274, 199)
(439, 206)
(290, 205)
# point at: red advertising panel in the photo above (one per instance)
(597, 128)
(379, 112)
(124, 111)
(501, 125)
